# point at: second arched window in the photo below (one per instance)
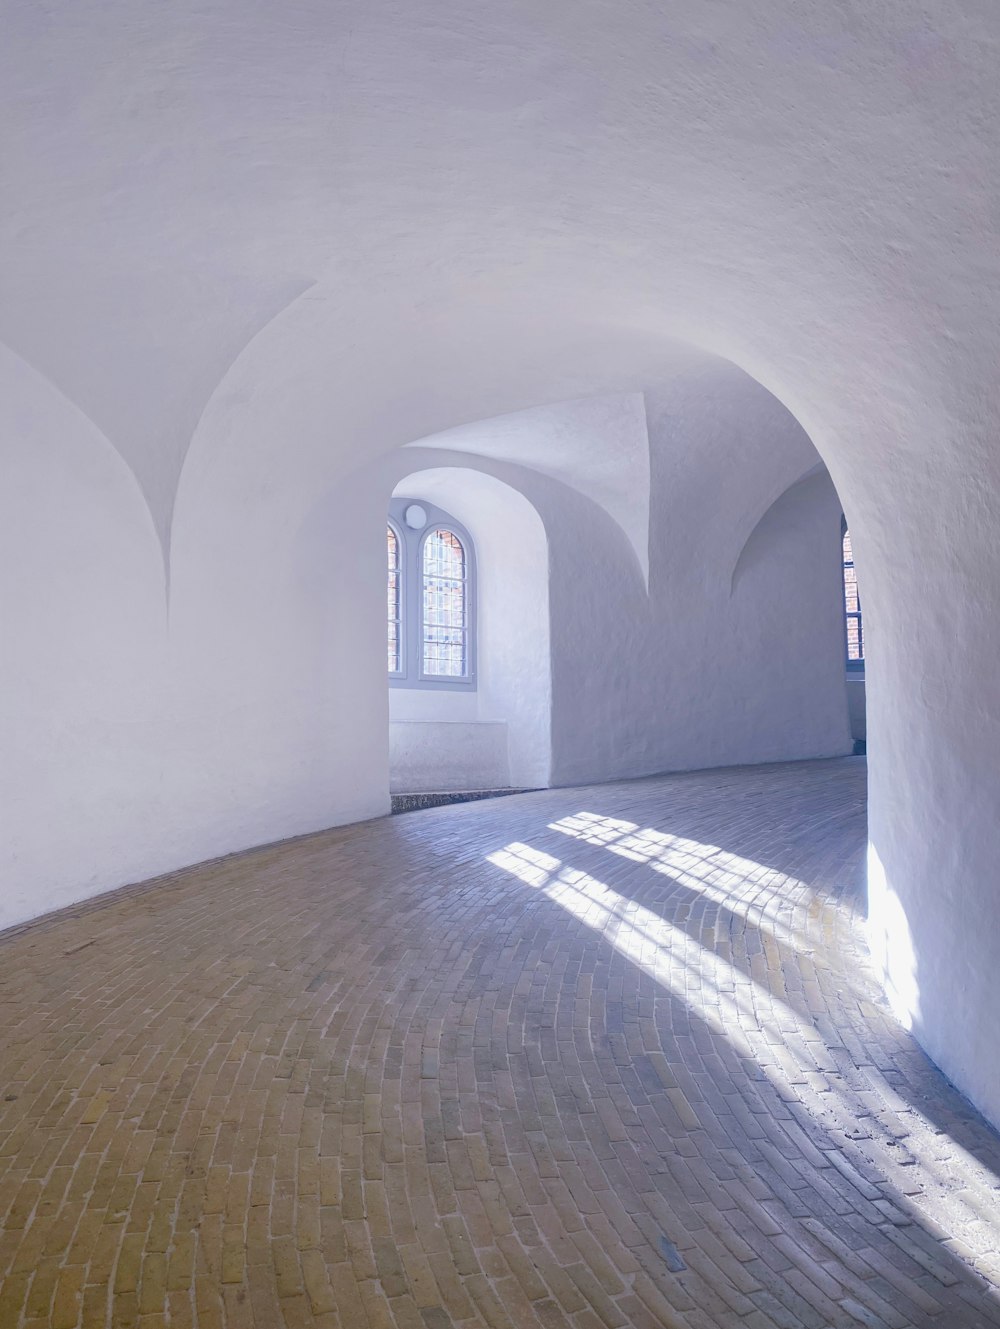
(444, 645)
(432, 611)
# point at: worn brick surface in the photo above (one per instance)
(599, 1057)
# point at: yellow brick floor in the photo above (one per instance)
(598, 1057)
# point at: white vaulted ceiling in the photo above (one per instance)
(784, 183)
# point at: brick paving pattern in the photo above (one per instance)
(594, 1058)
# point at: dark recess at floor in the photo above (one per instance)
(417, 802)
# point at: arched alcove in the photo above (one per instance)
(496, 735)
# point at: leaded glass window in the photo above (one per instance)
(394, 602)
(431, 592)
(444, 626)
(852, 607)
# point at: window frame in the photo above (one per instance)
(853, 666)
(411, 546)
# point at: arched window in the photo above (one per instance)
(432, 609)
(395, 602)
(852, 607)
(444, 621)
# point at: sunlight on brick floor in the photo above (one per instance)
(598, 1057)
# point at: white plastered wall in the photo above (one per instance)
(86, 681)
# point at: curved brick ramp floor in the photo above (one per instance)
(593, 1057)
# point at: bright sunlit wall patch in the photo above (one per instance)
(891, 944)
(431, 593)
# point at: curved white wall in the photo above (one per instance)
(84, 677)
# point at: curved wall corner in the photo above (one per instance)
(84, 702)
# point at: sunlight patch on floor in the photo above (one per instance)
(757, 1023)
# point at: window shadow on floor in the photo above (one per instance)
(754, 976)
